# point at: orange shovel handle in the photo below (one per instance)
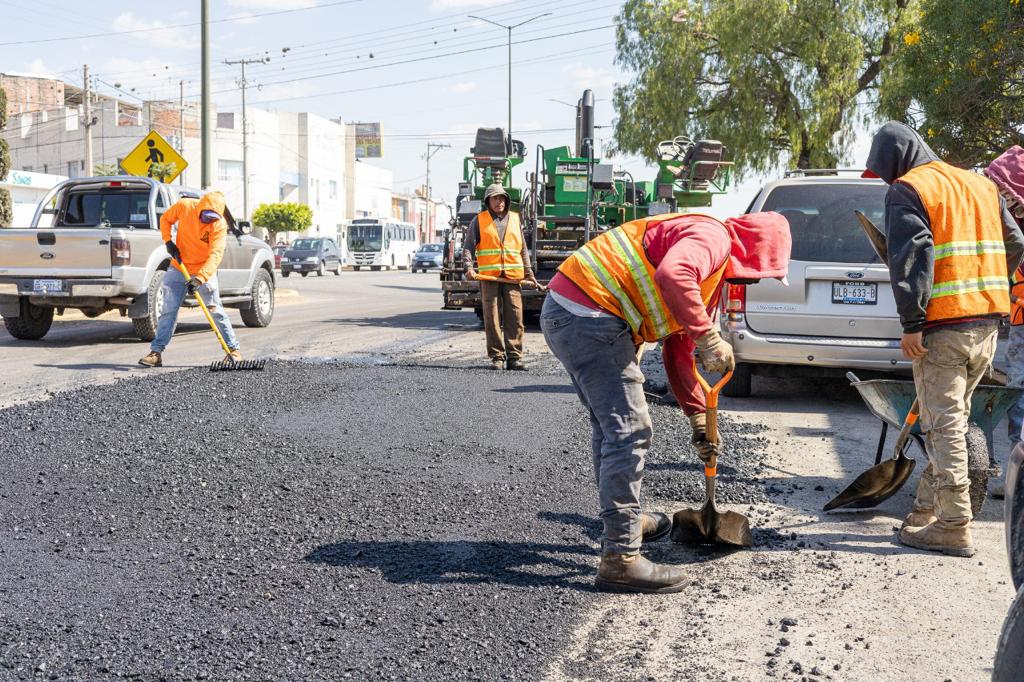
(711, 404)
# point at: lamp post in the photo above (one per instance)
(509, 29)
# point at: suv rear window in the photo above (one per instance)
(822, 221)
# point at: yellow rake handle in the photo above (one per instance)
(711, 404)
(209, 317)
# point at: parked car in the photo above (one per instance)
(1009, 660)
(278, 253)
(311, 254)
(429, 256)
(837, 312)
(94, 245)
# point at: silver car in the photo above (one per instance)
(838, 311)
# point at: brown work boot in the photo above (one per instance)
(655, 525)
(497, 364)
(940, 537)
(234, 356)
(634, 573)
(152, 360)
(919, 518)
(516, 365)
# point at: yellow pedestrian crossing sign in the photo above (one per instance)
(154, 154)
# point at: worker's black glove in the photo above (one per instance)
(172, 249)
(193, 284)
(705, 448)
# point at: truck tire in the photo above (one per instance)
(1010, 649)
(740, 384)
(33, 322)
(262, 310)
(145, 327)
(285, 274)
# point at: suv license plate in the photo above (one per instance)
(855, 293)
(46, 286)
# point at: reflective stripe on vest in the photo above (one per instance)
(494, 257)
(970, 278)
(614, 271)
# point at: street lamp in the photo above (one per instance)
(509, 29)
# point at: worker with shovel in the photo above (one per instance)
(495, 238)
(650, 279)
(199, 246)
(951, 245)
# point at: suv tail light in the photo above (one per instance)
(120, 252)
(735, 299)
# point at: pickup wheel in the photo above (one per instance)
(285, 274)
(145, 327)
(33, 322)
(739, 385)
(1010, 650)
(262, 310)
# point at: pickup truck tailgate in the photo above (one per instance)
(55, 253)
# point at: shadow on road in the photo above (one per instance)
(93, 365)
(427, 289)
(538, 388)
(434, 319)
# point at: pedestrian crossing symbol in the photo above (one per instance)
(154, 158)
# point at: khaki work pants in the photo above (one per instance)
(945, 379)
(503, 320)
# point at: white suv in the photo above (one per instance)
(838, 311)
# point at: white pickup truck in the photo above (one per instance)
(94, 245)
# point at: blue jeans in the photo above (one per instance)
(599, 355)
(1015, 379)
(174, 292)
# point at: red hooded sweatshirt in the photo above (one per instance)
(685, 251)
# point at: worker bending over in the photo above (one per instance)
(650, 279)
(951, 245)
(495, 238)
(199, 244)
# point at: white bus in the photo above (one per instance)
(381, 243)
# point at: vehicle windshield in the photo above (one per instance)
(822, 221)
(430, 248)
(364, 237)
(114, 208)
(305, 245)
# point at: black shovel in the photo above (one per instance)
(708, 525)
(881, 481)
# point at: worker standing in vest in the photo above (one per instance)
(951, 245)
(495, 238)
(657, 278)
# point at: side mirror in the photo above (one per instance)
(245, 226)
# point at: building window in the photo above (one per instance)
(333, 189)
(70, 118)
(229, 171)
(226, 120)
(128, 116)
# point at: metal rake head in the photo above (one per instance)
(238, 365)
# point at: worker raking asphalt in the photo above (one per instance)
(306, 522)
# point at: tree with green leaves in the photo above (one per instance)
(102, 169)
(283, 217)
(6, 207)
(959, 78)
(162, 170)
(772, 79)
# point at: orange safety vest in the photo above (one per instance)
(970, 278)
(1017, 302)
(614, 271)
(496, 258)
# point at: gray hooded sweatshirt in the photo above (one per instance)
(895, 149)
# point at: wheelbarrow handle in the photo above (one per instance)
(908, 424)
(711, 405)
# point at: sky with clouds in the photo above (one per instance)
(423, 68)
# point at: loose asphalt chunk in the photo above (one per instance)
(311, 522)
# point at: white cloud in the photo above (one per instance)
(37, 67)
(175, 38)
(272, 5)
(579, 77)
(463, 87)
(437, 5)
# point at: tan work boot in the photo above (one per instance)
(919, 518)
(655, 525)
(634, 573)
(938, 537)
(235, 355)
(152, 360)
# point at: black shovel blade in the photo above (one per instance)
(708, 526)
(875, 485)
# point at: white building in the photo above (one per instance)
(27, 190)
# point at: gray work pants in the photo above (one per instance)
(599, 355)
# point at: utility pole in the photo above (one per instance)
(204, 113)
(181, 127)
(243, 84)
(509, 29)
(432, 148)
(89, 122)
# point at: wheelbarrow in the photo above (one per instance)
(891, 400)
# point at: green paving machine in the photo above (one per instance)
(571, 197)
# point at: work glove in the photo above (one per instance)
(172, 249)
(714, 353)
(193, 284)
(705, 448)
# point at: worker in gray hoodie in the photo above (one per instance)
(951, 247)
